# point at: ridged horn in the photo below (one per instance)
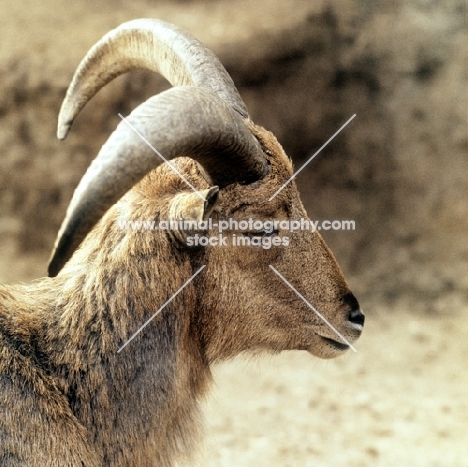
(183, 121)
(147, 44)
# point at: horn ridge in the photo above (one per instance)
(153, 45)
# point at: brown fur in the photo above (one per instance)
(69, 399)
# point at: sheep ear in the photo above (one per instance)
(211, 198)
(193, 208)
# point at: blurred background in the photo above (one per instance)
(399, 170)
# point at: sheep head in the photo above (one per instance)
(234, 166)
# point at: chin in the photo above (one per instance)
(328, 348)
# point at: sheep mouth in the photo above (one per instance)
(335, 344)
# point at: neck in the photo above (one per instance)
(138, 406)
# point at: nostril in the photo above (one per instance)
(357, 317)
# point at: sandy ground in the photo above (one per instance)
(401, 400)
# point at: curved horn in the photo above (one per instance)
(182, 121)
(147, 44)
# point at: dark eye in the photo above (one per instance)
(261, 234)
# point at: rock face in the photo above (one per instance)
(398, 169)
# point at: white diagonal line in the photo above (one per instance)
(299, 170)
(161, 156)
(160, 309)
(314, 309)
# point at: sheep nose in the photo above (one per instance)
(356, 317)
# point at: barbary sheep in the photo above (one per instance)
(73, 393)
